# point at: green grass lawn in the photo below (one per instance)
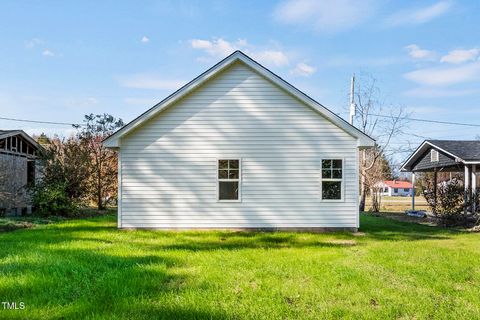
(89, 269)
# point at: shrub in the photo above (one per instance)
(52, 200)
(450, 201)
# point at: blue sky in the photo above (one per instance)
(62, 59)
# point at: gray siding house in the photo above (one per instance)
(238, 147)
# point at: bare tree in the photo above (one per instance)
(380, 120)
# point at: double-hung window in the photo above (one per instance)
(332, 179)
(228, 184)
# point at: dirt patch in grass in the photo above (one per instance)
(14, 225)
(343, 242)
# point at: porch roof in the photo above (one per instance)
(453, 155)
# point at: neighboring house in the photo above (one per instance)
(18, 168)
(395, 188)
(238, 147)
(449, 156)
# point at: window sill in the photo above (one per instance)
(332, 200)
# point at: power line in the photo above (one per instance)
(376, 115)
(427, 120)
(44, 122)
(433, 121)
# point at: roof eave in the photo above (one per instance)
(406, 167)
(24, 135)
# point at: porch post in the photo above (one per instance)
(474, 188)
(466, 183)
(413, 191)
(434, 190)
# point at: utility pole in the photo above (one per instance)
(352, 100)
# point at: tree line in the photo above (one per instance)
(78, 170)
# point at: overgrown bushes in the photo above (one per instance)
(78, 171)
(52, 199)
(447, 204)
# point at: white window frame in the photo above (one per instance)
(342, 180)
(434, 157)
(229, 180)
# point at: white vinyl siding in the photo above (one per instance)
(169, 164)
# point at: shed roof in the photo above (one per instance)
(11, 133)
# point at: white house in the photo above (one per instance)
(238, 147)
(396, 188)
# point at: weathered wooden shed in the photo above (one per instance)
(447, 156)
(19, 168)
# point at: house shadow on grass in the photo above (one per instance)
(83, 283)
(380, 228)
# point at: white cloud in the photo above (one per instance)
(39, 45)
(217, 48)
(303, 69)
(61, 132)
(327, 16)
(445, 76)
(92, 100)
(428, 92)
(150, 81)
(145, 39)
(419, 15)
(460, 56)
(220, 48)
(48, 53)
(416, 52)
(271, 57)
(29, 44)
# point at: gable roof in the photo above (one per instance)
(10, 133)
(363, 139)
(398, 184)
(465, 151)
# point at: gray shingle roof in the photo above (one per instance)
(468, 150)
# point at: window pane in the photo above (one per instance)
(326, 174)
(222, 174)
(337, 174)
(222, 164)
(326, 164)
(337, 164)
(233, 174)
(332, 190)
(228, 190)
(233, 164)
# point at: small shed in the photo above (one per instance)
(19, 168)
(447, 156)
